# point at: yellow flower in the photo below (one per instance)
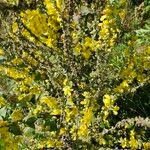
(105, 23)
(85, 102)
(71, 113)
(35, 21)
(2, 101)
(49, 6)
(83, 130)
(1, 52)
(106, 113)
(103, 18)
(59, 4)
(132, 133)
(86, 54)
(88, 116)
(77, 49)
(104, 32)
(4, 131)
(102, 141)
(14, 27)
(49, 42)
(86, 94)
(115, 110)
(124, 142)
(107, 100)
(124, 84)
(70, 102)
(65, 81)
(56, 112)
(133, 143)
(50, 143)
(37, 109)
(107, 11)
(67, 90)
(146, 145)
(3, 123)
(122, 15)
(88, 42)
(17, 115)
(62, 131)
(50, 101)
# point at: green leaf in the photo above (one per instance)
(29, 131)
(30, 121)
(52, 123)
(15, 129)
(3, 112)
(2, 146)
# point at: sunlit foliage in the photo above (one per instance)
(74, 74)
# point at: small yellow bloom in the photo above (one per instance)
(86, 54)
(132, 133)
(15, 27)
(67, 90)
(77, 49)
(59, 4)
(56, 112)
(62, 131)
(133, 143)
(70, 102)
(106, 113)
(122, 15)
(124, 142)
(103, 18)
(49, 42)
(17, 115)
(107, 11)
(86, 94)
(3, 123)
(115, 110)
(102, 141)
(88, 116)
(1, 52)
(83, 130)
(50, 101)
(50, 143)
(146, 145)
(4, 131)
(37, 109)
(124, 84)
(85, 102)
(2, 101)
(107, 100)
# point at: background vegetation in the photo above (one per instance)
(74, 74)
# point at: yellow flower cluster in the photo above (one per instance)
(2, 101)
(49, 143)
(67, 87)
(85, 123)
(132, 142)
(109, 101)
(35, 21)
(71, 113)
(6, 137)
(42, 26)
(52, 103)
(1, 52)
(108, 28)
(14, 73)
(86, 48)
(17, 115)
